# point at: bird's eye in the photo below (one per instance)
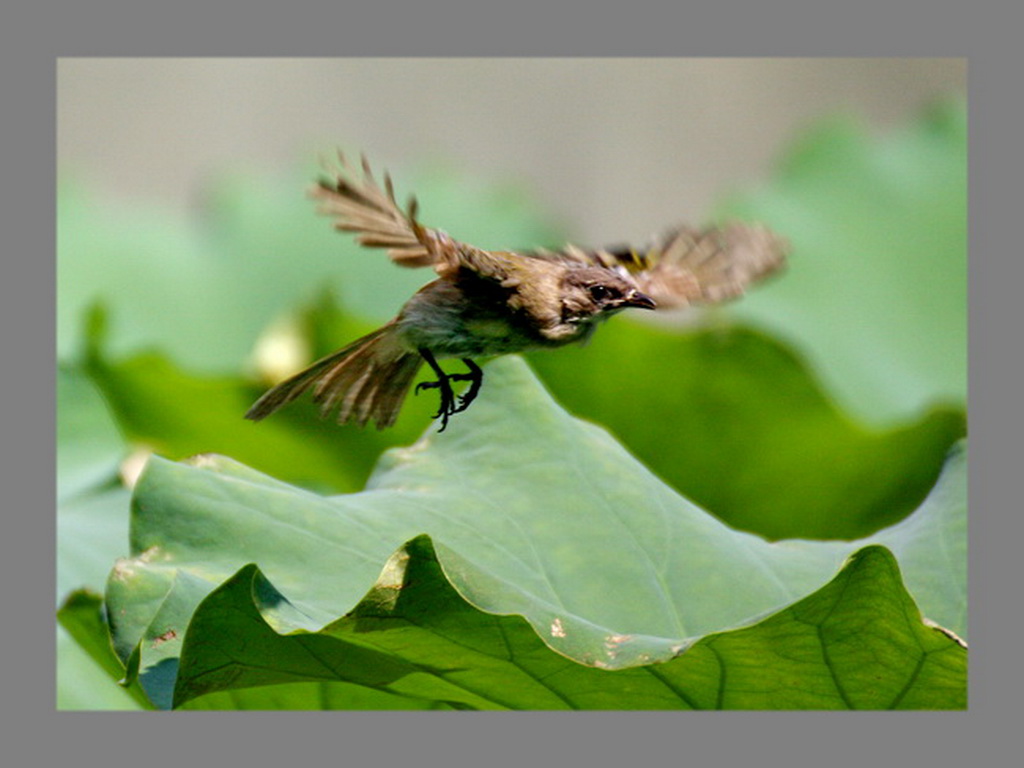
(600, 292)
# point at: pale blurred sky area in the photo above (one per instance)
(614, 147)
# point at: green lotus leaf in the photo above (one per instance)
(530, 511)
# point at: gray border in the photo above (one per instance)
(33, 38)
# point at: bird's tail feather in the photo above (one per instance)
(368, 379)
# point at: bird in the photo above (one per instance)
(487, 303)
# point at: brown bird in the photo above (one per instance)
(497, 302)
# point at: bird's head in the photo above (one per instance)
(590, 293)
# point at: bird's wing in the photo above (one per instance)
(690, 266)
(358, 204)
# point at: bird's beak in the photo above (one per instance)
(640, 300)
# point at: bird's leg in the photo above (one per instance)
(448, 404)
(444, 387)
(475, 377)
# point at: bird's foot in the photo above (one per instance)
(449, 403)
(475, 377)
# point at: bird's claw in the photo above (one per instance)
(449, 403)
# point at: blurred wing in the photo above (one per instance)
(358, 204)
(711, 265)
(691, 266)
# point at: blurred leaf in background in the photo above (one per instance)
(876, 294)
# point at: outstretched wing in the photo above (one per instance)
(359, 204)
(691, 266)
